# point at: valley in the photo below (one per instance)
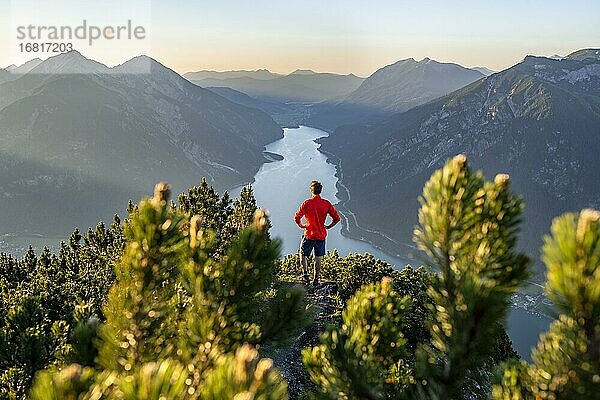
(535, 121)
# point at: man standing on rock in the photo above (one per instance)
(314, 211)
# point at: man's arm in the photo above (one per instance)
(334, 216)
(298, 216)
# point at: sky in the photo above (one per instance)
(327, 35)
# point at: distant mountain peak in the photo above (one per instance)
(72, 62)
(25, 67)
(303, 72)
(584, 54)
(484, 70)
(141, 64)
(260, 74)
(400, 62)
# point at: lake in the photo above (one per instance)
(281, 186)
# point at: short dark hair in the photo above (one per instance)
(316, 187)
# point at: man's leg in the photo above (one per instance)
(319, 253)
(317, 269)
(304, 263)
(304, 249)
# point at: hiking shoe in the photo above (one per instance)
(306, 280)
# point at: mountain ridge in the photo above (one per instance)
(394, 88)
(300, 85)
(539, 121)
(123, 128)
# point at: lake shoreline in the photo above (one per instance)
(351, 228)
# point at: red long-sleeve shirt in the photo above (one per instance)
(315, 211)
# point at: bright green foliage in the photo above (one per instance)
(67, 384)
(349, 273)
(244, 208)
(39, 297)
(244, 376)
(225, 293)
(52, 304)
(414, 283)
(177, 313)
(468, 228)
(203, 200)
(572, 256)
(139, 310)
(165, 379)
(566, 361)
(197, 290)
(353, 362)
(217, 213)
(283, 313)
(355, 270)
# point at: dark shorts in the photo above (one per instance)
(307, 245)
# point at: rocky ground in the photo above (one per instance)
(287, 358)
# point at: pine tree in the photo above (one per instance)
(566, 360)
(214, 211)
(353, 361)
(39, 298)
(244, 208)
(174, 318)
(467, 228)
(139, 313)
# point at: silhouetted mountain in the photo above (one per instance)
(24, 68)
(13, 71)
(260, 74)
(394, 88)
(408, 83)
(585, 55)
(5, 76)
(285, 114)
(539, 121)
(74, 147)
(303, 72)
(243, 99)
(299, 86)
(484, 70)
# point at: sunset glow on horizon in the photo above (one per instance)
(351, 37)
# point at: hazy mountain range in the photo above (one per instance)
(74, 147)
(539, 121)
(284, 113)
(329, 100)
(260, 74)
(299, 86)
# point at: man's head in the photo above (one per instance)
(316, 187)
